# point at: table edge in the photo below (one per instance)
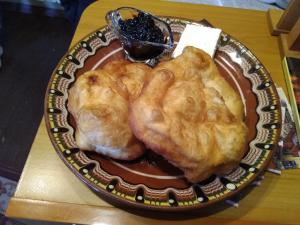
(72, 213)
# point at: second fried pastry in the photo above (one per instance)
(190, 115)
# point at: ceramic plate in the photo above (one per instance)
(151, 182)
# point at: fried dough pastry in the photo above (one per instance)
(191, 116)
(99, 100)
(132, 75)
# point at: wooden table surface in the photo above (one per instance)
(49, 191)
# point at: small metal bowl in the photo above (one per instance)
(138, 50)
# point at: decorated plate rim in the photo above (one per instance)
(113, 198)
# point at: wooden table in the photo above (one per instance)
(49, 191)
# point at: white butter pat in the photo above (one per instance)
(205, 38)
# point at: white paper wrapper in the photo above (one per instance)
(202, 37)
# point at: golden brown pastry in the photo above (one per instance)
(98, 101)
(132, 75)
(190, 115)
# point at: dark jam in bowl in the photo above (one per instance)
(142, 52)
(139, 35)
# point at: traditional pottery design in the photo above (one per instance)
(151, 182)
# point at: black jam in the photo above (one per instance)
(141, 28)
(143, 52)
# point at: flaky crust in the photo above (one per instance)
(190, 115)
(99, 100)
